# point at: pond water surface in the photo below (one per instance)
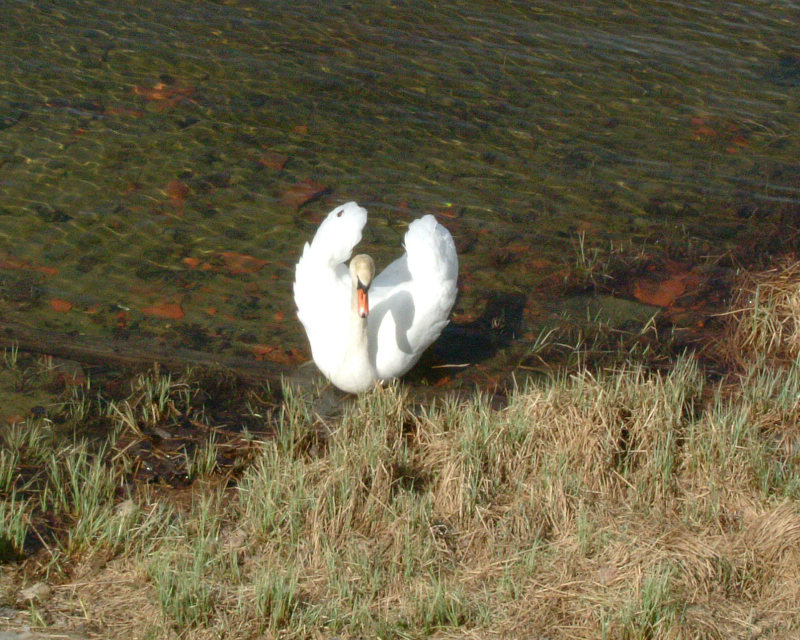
(158, 158)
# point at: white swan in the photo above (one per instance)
(362, 328)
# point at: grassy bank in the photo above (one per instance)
(623, 503)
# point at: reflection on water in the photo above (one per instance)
(150, 156)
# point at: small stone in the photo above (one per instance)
(238, 539)
(39, 591)
(126, 508)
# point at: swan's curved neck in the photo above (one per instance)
(357, 334)
(357, 371)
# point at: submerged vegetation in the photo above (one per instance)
(628, 502)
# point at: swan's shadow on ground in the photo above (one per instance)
(473, 342)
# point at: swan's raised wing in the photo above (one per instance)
(322, 284)
(412, 298)
(432, 252)
(339, 232)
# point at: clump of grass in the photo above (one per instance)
(13, 528)
(82, 485)
(154, 399)
(599, 267)
(277, 598)
(653, 610)
(11, 358)
(186, 597)
(203, 462)
(275, 500)
(765, 318)
(9, 461)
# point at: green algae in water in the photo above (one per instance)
(532, 123)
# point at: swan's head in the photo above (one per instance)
(362, 271)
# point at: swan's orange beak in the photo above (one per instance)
(363, 301)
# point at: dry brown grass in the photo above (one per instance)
(617, 504)
(764, 320)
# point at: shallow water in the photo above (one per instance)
(148, 153)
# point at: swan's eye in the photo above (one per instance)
(339, 215)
